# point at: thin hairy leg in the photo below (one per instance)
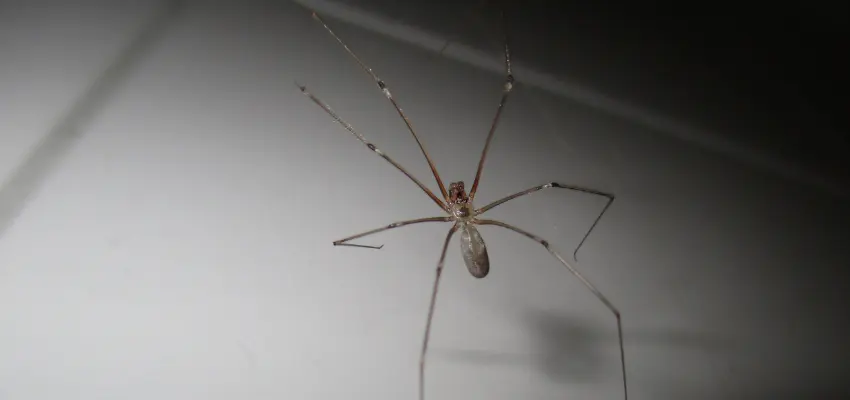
(583, 280)
(386, 91)
(342, 242)
(371, 146)
(609, 196)
(431, 313)
(509, 84)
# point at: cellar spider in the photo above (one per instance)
(459, 206)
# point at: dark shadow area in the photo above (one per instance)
(813, 392)
(770, 79)
(571, 350)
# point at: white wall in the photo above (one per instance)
(183, 248)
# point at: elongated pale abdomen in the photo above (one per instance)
(474, 251)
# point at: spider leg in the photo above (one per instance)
(371, 146)
(509, 84)
(342, 242)
(431, 313)
(609, 196)
(386, 91)
(583, 280)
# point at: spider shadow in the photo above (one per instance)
(569, 350)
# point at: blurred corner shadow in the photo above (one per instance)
(572, 350)
(812, 392)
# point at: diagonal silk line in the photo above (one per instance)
(27, 177)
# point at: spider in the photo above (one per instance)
(458, 205)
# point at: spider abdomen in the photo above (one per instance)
(474, 251)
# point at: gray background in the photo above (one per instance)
(177, 243)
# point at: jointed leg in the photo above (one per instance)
(371, 146)
(431, 313)
(342, 242)
(586, 283)
(386, 91)
(509, 84)
(610, 198)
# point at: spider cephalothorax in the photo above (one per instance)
(459, 204)
(457, 193)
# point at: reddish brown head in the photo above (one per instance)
(457, 193)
